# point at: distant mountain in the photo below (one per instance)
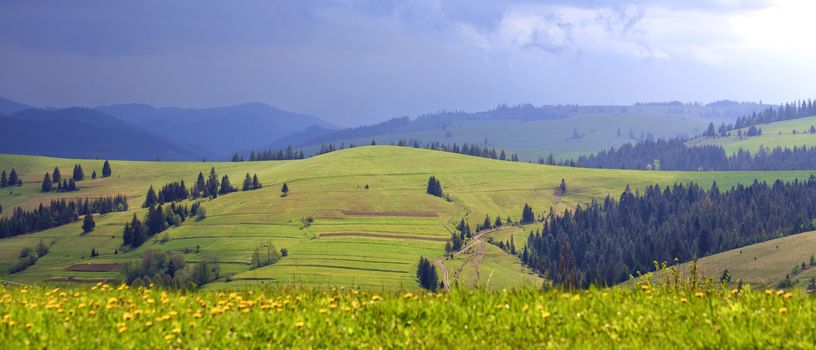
(217, 132)
(83, 133)
(8, 107)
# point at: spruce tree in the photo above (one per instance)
(562, 188)
(212, 183)
(434, 187)
(255, 183)
(88, 223)
(3, 179)
(284, 190)
(106, 169)
(47, 186)
(56, 177)
(527, 216)
(79, 174)
(226, 187)
(71, 186)
(93, 175)
(150, 199)
(13, 179)
(247, 183)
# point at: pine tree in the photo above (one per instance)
(56, 177)
(212, 183)
(13, 179)
(72, 186)
(3, 179)
(284, 190)
(79, 174)
(255, 183)
(88, 223)
(562, 188)
(236, 157)
(47, 186)
(527, 216)
(247, 183)
(106, 169)
(434, 187)
(226, 187)
(486, 224)
(150, 199)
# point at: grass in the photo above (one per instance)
(623, 317)
(323, 187)
(764, 264)
(773, 134)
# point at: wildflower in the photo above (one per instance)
(683, 300)
(408, 295)
(783, 310)
(699, 294)
(376, 298)
(788, 295)
(780, 292)
(148, 323)
(769, 291)
(525, 308)
(545, 314)
(299, 324)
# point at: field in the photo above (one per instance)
(773, 135)
(767, 263)
(534, 139)
(367, 238)
(644, 317)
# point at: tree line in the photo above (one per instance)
(606, 242)
(170, 270)
(673, 154)
(210, 187)
(288, 154)
(59, 212)
(158, 219)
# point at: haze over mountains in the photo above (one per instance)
(144, 132)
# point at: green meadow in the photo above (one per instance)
(368, 238)
(778, 134)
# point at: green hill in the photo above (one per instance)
(371, 237)
(779, 134)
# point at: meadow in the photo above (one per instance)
(642, 316)
(778, 134)
(368, 238)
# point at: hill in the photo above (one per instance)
(533, 132)
(83, 133)
(785, 134)
(362, 237)
(216, 132)
(10, 107)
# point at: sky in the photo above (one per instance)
(359, 62)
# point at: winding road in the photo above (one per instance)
(474, 240)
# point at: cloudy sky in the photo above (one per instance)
(355, 62)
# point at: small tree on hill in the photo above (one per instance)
(562, 188)
(56, 177)
(47, 185)
(88, 223)
(426, 274)
(93, 175)
(79, 174)
(284, 190)
(151, 199)
(13, 179)
(106, 169)
(247, 183)
(434, 187)
(255, 183)
(527, 216)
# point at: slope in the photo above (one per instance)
(778, 134)
(361, 237)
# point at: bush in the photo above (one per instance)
(284, 252)
(264, 255)
(201, 213)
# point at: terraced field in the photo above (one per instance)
(362, 237)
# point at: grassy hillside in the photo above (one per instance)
(773, 135)
(765, 264)
(370, 238)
